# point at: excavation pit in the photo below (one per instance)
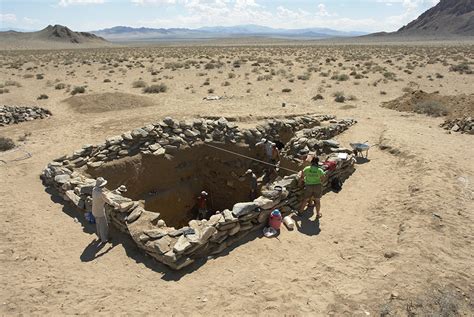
(170, 184)
(166, 165)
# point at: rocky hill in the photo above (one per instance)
(448, 17)
(53, 37)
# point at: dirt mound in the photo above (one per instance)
(433, 104)
(109, 101)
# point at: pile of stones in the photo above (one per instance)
(317, 140)
(16, 114)
(461, 125)
(179, 247)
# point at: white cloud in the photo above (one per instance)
(65, 3)
(7, 17)
(322, 11)
(143, 2)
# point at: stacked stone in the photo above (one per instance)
(461, 125)
(15, 114)
(178, 248)
(169, 136)
(316, 140)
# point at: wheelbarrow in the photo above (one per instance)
(359, 148)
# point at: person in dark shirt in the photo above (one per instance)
(202, 205)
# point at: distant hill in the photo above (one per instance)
(124, 33)
(448, 17)
(56, 36)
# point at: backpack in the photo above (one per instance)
(336, 184)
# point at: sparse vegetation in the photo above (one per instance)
(155, 89)
(78, 90)
(286, 90)
(42, 97)
(6, 144)
(431, 108)
(139, 84)
(59, 86)
(339, 96)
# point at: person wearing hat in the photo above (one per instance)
(313, 176)
(252, 179)
(202, 205)
(99, 199)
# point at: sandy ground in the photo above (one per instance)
(397, 240)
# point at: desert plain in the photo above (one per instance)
(396, 241)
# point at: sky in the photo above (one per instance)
(89, 15)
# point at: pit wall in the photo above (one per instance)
(195, 168)
(178, 248)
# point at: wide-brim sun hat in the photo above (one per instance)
(249, 171)
(122, 188)
(100, 182)
(203, 193)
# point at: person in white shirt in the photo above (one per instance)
(99, 199)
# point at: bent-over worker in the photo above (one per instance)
(99, 199)
(313, 176)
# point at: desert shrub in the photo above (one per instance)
(231, 75)
(209, 66)
(389, 75)
(461, 68)
(265, 77)
(6, 144)
(339, 96)
(4, 90)
(210, 91)
(28, 76)
(342, 77)
(107, 80)
(226, 83)
(286, 90)
(24, 137)
(383, 92)
(12, 83)
(439, 76)
(306, 76)
(431, 108)
(60, 86)
(139, 84)
(42, 96)
(317, 97)
(78, 90)
(155, 89)
(39, 76)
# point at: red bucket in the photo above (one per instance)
(275, 219)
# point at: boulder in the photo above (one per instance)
(241, 209)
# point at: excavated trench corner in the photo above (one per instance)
(166, 165)
(169, 185)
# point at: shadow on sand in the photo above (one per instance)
(94, 250)
(361, 160)
(307, 226)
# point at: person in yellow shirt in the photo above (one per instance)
(313, 177)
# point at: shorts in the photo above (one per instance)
(315, 191)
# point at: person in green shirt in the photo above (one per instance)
(313, 176)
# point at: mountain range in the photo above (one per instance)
(448, 17)
(56, 36)
(125, 33)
